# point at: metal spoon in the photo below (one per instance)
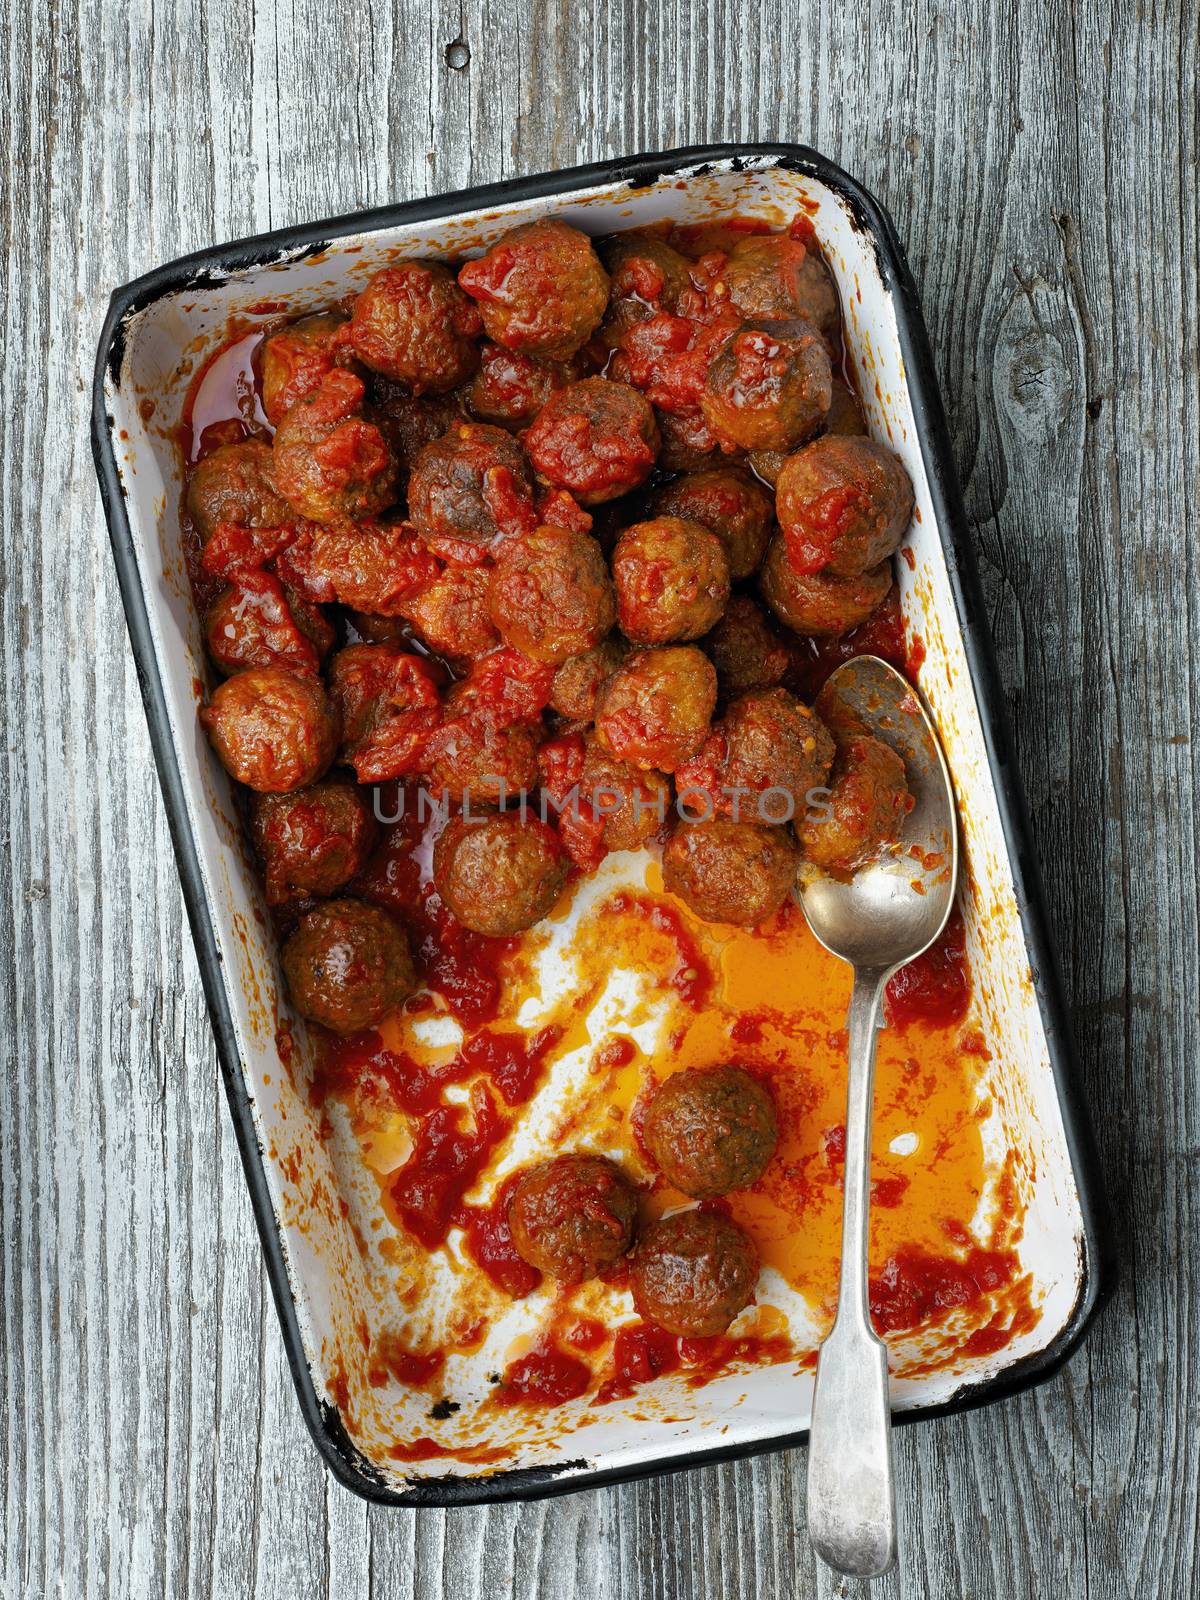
(886, 914)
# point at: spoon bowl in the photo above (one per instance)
(885, 915)
(893, 908)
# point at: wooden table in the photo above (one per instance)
(1040, 162)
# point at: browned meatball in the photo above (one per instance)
(768, 464)
(761, 760)
(845, 410)
(844, 505)
(236, 484)
(726, 871)
(572, 1216)
(479, 754)
(746, 649)
(629, 804)
(450, 614)
(711, 1129)
(672, 580)
(331, 460)
(550, 595)
(768, 387)
(687, 445)
(541, 289)
(347, 965)
(865, 810)
(692, 1273)
(410, 422)
(370, 566)
(647, 275)
(772, 275)
(312, 841)
(387, 702)
(257, 623)
(596, 438)
(415, 325)
(731, 504)
(468, 488)
(820, 606)
(578, 682)
(656, 708)
(296, 359)
(372, 629)
(501, 874)
(510, 389)
(274, 730)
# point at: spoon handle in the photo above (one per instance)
(851, 1500)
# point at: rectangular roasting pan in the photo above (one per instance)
(305, 1190)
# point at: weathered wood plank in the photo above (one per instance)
(1040, 162)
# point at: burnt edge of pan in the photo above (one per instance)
(213, 266)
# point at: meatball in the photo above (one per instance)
(373, 629)
(236, 484)
(373, 567)
(541, 289)
(603, 804)
(312, 841)
(746, 649)
(410, 423)
(414, 324)
(731, 504)
(274, 730)
(711, 1129)
(256, 623)
(820, 606)
(572, 1216)
(480, 754)
(450, 614)
(762, 758)
(387, 700)
(672, 580)
(726, 871)
(845, 410)
(347, 965)
(596, 438)
(656, 708)
(844, 504)
(632, 801)
(768, 387)
(578, 682)
(687, 445)
(768, 464)
(510, 389)
(692, 1273)
(867, 804)
(499, 874)
(550, 594)
(296, 359)
(772, 275)
(647, 275)
(331, 460)
(468, 488)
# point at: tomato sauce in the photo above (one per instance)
(447, 1159)
(935, 989)
(489, 1243)
(546, 1376)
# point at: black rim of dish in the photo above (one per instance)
(211, 267)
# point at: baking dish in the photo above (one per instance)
(308, 1196)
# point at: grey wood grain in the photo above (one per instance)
(1040, 161)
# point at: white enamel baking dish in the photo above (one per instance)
(311, 1198)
